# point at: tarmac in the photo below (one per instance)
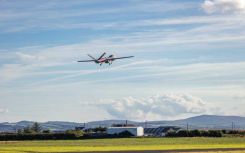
(173, 151)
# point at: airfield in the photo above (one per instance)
(234, 145)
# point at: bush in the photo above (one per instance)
(196, 133)
(100, 129)
(46, 131)
(215, 133)
(69, 131)
(171, 134)
(79, 133)
(125, 134)
(183, 133)
(60, 136)
(225, 131)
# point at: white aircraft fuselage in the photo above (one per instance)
(107, 60)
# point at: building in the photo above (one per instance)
(122, 125)
(136, 131)
(161, 131)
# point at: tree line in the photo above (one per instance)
(195, 133)
(34, 129)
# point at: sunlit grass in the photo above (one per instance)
(120, 144)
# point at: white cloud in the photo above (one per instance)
(224, 6)
(155, 107)
(28, 57)
(4, 111)
(240, 96)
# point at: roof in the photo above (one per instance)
(124, 127)
(163, 129)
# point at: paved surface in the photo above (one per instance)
(173, 151)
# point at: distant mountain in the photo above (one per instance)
(111, 122)
(61, 122)
(197, 122)
(207, 120)
(25, 122)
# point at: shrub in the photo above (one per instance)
(69, 131)
(46, 131)
(196, 133)
(79, 133)
(43, 136)
(125, 134)
(171, 134)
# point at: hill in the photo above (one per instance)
(197, 122)
(207, 120)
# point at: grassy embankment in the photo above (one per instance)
(120, 144)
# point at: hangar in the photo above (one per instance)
(136, 131)
(161, 131)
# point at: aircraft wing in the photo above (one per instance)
(120, 57)
(102, 55)
(87, 61)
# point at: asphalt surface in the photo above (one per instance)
(173, 151)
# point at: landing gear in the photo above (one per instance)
(100, 64)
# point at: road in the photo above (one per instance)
(173, 151)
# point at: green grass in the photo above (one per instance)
(120, 144)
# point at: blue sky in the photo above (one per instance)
(189, 59)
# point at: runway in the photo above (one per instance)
(172, 151)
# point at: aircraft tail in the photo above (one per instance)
(91, 57)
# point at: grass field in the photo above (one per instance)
(120, 144)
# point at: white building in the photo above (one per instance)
(136, 131)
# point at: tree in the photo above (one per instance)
(27, 129)
(69, 131)
(100, 129)
(79, 133)
(90, 131)
(19, 131)
(46, 131)
(36, 127)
